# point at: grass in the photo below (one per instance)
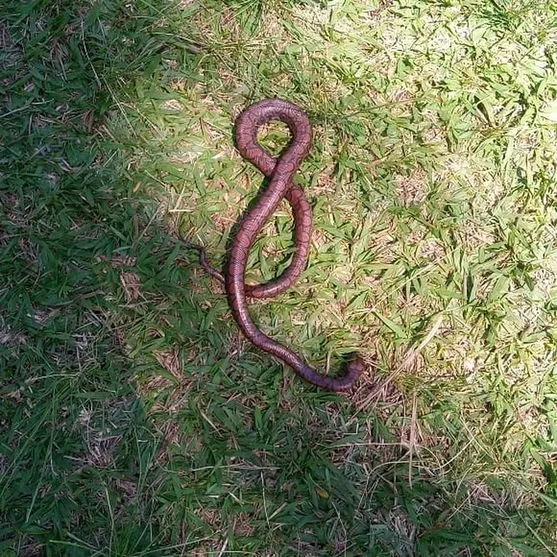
(135, 420)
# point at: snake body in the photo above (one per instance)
(280, 172)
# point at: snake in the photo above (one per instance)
(280, 172)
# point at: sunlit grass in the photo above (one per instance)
(136, 420)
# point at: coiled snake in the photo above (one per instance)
(280, 172)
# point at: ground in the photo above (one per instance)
(135, 419)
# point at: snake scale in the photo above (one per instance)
(280, 172)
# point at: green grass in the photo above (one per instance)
(135, 420)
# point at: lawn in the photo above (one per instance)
(136, 420)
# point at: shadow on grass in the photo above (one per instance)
(127, 424)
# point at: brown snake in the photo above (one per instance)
(280, 172)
